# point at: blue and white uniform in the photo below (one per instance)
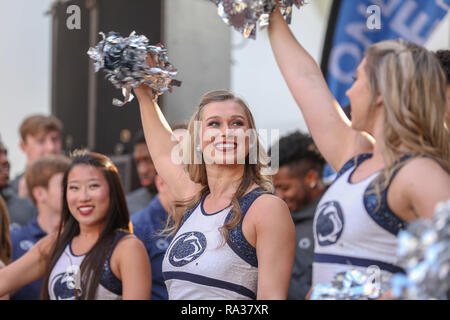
(353, 229)
(198, 265)
(65, 276)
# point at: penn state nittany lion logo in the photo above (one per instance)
(64, 284)
(187, 248)
(330, 223)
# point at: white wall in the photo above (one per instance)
(441, 38)
(25, 63)
(198, 44)
(256, 77)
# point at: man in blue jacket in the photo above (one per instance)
(147, 225)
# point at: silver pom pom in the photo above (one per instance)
(424, 252)
(124, 62)
(350, 285)
(246, 15)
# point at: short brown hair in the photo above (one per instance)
(38, 124)
(43, 169)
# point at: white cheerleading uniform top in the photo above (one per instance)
(353, 229)
(65, 277)
(198, 265)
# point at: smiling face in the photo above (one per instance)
(291, 189)
(224, 127)
(88, 195)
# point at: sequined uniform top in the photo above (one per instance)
(354, 228)
(198, 265)
(65, 276)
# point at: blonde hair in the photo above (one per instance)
(197, 172)
(5, 241)
(411, 83)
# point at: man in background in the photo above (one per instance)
(140, 198)
(44, 180)
(41, 135)
(299, 183)
(21, 210)
(147, 226)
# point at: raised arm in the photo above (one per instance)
(28, 268)
(330, 128)
(158, 136)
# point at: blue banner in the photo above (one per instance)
(361, 23)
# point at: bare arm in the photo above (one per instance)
(158, 137)
(329, 126)
(134, 269)
(275, 246)
(28, 268)
(423, 185)
(6, 296)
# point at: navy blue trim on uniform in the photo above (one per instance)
(352, 261)
(351, 163)
(206, 281)
(109, 280)
(379, 210)
(187, 215)
(236, 239)
(203, 210)
(71, 251)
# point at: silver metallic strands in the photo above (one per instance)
(286, 8)
(350, 285)
(246, 15)
(424, 252)
(124, 62)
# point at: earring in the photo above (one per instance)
(312, 185)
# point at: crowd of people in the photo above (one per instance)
(215, 226)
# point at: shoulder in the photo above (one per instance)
(128, 244)
(46, 245)
(129, 258)
(423, 163)
(422, 183)
(422, 170)
(267, 208)
(269, 199)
